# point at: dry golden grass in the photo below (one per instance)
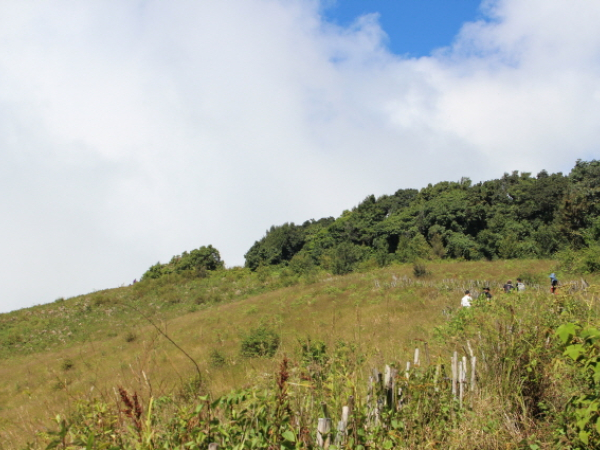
(386, 313)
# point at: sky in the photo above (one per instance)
(134, 130)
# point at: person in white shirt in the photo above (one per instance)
(466, 300)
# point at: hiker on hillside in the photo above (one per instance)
(553, 283)
(508, 287)
(520, 285)
(486, 294)
(465, 302)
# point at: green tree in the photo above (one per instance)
(205, 258)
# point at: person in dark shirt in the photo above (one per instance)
(508, 287)
(486, 294)
(553, 283)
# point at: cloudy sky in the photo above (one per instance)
(132, 130)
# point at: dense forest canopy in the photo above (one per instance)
(515, 216)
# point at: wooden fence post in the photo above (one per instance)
(464, 361)
(473, 375)
(461, 384)
(323, 432)
(340, 438)
(389, 385)
(455, 374)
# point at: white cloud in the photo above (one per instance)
(134, 130)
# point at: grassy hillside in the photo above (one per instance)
(83, 348)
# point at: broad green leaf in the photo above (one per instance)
(590, 333)
(566, 331)
(575, 351)
(289, 436)
(584, 437)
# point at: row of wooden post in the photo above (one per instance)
(463, 378)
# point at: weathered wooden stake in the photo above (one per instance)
(340, 438)
(473, 376)
(213, 446)
(417, 362)
(323, 432)
(388, 381)
(387, 375)
(461, 375)
(455, 374)
(324, 409)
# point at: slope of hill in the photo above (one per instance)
(116, 338)
(191, 331)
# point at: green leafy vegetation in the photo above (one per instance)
(516, 216)
(196, 262)
(260, 342)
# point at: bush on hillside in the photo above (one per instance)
(420, 269)
(260, 342)
(198, 261)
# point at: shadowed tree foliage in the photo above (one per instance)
(281, 243)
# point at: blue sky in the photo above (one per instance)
(414, 27)
(134, 130)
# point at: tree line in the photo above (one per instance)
(515, 216)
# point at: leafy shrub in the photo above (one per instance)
(586, 260)
(217, 359)
(260, 342)
(67, 364)
(198, 261)
(581, 418)
(590, 260)
(420, 270)
(313, 351)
